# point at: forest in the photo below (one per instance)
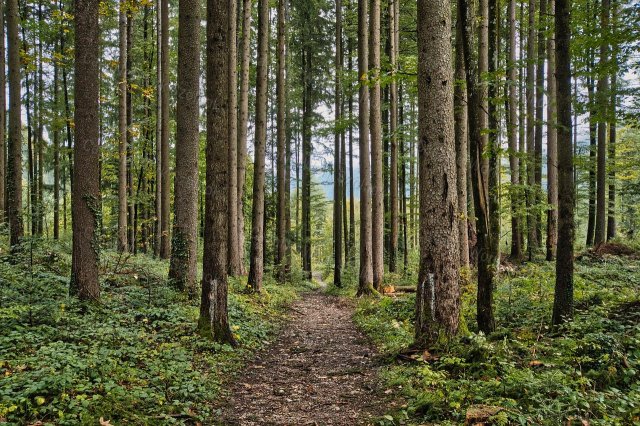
(313, 212)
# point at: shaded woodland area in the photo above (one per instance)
(446, 192)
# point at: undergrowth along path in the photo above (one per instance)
(320, 370)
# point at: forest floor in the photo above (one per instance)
(321, 370)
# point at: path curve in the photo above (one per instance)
(321, 370)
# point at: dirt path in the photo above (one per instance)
(320, 371)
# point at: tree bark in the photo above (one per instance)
(602, 99)
(282, 142)
(3, 116)
(337, 164)
(512, 136)
(593, 148)
(461, 137)
(532, 240)
(232, 87)
(86, 189)
(182, 269)
(611, 213)
(563, 300)
(365, 276)
(214, 321)
(123, 245)
(158, 188)
(438, 295)
(55, 128)
(552, 147)
(256, 268)
(539, 125)
(375, 128)
(14, 160)
(393, 131)
(243, 117)
(165, 244)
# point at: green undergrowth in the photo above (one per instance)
(132, 358)
(584, 373)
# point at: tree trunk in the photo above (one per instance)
(563, 301)
(593, 131)
(158, 187)
(243, 117)
(123, 245)
(86, 189)
(611, 218)
(352, 213)
(493, 139)
(165, 244)
(337, 166)
(393, 130)
(232, 229)
(375, 128)
(438, 295)
(532, 241)
(552, 147)
(55, 127)
(182, 269)
(40, 130)
(256, 269)
(512, 136)
(365, 277)
(282, 142)
(602, 100)
(214, 321)
(3, 116)
(479, 179)
(539, 126)
(306, 162)
(461, 136)
(14, 160)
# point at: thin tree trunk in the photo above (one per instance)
(438, 294)
(256, 269)
(611, 218)
(123, 244)
(158, 188)
(182, 269)
(593, 148)
(352, 213)
(512, 136)
(337, 166)
(493, 137)
(40, 130)
(282, 142)
(3, 116)
(539, 124)
(375, 128)
(393, 130)
(243, 117)
(563, 301)
(461, 137)
(86, 188)
(165, 244)
(602, 100)
(129, 136)
(552, 148)
(306, 162)
(55, 127)
(14, 160)
(232, 229)
(532, 242)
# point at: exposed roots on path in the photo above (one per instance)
(320, 371)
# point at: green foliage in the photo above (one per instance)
(587, 370)
(135, 358)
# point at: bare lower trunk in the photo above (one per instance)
(337, 166)
(86, 188)
(552, 148)
(532, 240)
(393, 135)
(165, 244)
(14, 160)
(461, 137)
(232, 87)
(182, 269)
(602, 99)
(123, 244)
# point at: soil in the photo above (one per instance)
(321, 370)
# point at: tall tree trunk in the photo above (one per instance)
(256, 269)
(282, 142)
(3, 116)
(552, 147)
(493, 138)
(365, 277)
(393, 131)
(123, 244)
(593, 148)
(165, 244)
(86, 188)
(602, 100)
(403, 178)
(375, 128)
(352, 213)
(539, 126)
(563, 301)
(182, 269)
(40, 129)
(611, 214)
(158, 187)
(132, 225)
(214, 321)
(55, 127)
(306, 162)
(232, 229)
(512, 136)
(532, 241)
(438, 294)
(243, 117)
(479, 179)
(461, 137)
(14, 160)
(337, 166)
